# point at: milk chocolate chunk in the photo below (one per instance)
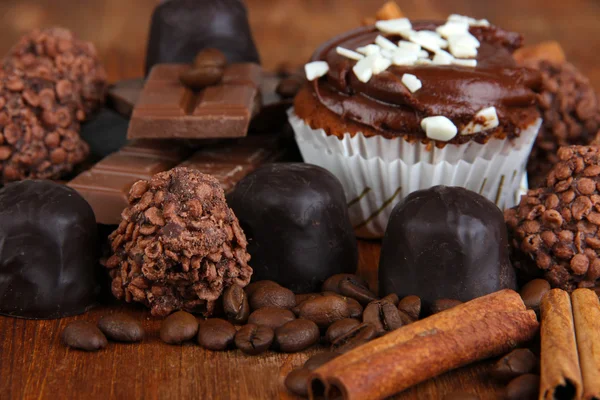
(182, 28)
(47, 251)
(445, 242)
(296, 220)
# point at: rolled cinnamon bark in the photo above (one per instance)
(427, 355)
(560, 373)
(586, 314)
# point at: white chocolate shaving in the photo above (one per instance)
(348, 53)
(316, 69)
(394, 26)
(411, 82)
(439, 128)
(485, 119)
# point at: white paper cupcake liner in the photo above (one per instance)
(377, 173)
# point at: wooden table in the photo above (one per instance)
(33, 362)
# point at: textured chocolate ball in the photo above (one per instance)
(445, 242)
(47, 251)
(296, 220)
(181, 28)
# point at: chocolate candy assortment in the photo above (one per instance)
(234, 251)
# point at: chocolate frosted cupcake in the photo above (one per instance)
(404, 106)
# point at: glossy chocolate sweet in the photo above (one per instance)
(296, 220)
(47, 251)
(181, 28)
(445, 242)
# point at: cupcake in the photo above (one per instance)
(403, 106)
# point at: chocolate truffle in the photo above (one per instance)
(47, 251)
(178, 246)
(554, 229)
(181, 28)
(445, 242)
(296, 220)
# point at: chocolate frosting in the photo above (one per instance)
(456, 92)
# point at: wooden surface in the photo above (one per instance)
(33, 362)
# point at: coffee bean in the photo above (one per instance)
(391, 298)
(339, 328)
(443, 305)
(320, 359)
(355, 310)
(84, 335)
(332, 284)
(533, 292)
(178, 327)
(289, 87)
(216, 334)
(252, 287)
(297, 381)
(525, 387)
(121, 327)
(272, 296)
(300, 297)
(254, 339)
(271, 316)
(384, 317)
(353, 288)
(210, 58)
(460, 396)
(324, 310)
(296, 335)
(517, 362)
(198, 78)
(411, 305)
(358, 336)
(235, 304)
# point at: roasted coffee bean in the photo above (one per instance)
(296, 335)
(411, 305)
(339, 328)
(320, 359)
(517, 362)
(443, 305)
(297, 381)
(122, 328)
(272, 296)
(332, 284)
(84, 335)
(525, 387)
(300, 297)
(289, 87)
(460, 396)
(324, 310)
(358, 336)
(235, 304)
(258, 284)
(178, 327)
(533, 292)
(210, 58)
(198, 78)
(216, 334)
(391, 298)
(384, 317)
(271, 316)
(355, 310)
(254, 339)
(354, 289)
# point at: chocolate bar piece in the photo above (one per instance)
(166, 109)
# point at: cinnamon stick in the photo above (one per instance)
(586, 314)
(428, 355)
(560, 371)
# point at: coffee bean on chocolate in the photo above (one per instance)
(391, 298)
(340, 328)
(84, 335)
(443, 305)
(533, 291)
(384, 317)
(289, 87)
(517, 362)
(253, 286)
(460, 396)
(272, 296)
(254, 339)
(332, 284)
(354, 289)
(122, 328)
(216, 334)
(210, 58)
(324, 310)
(198, 78)
(411, 305)
(296, 335)
(178, 327)
(272, 317)
(235, 304)
(320, 359)
(525, 387)
(358, 336)
(297, 381)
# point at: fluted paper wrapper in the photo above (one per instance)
(377, 173)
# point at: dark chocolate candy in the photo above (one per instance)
(181, 28)
(445, 242)
(47, 251)
(296, 220)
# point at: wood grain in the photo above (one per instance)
(33, 362)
